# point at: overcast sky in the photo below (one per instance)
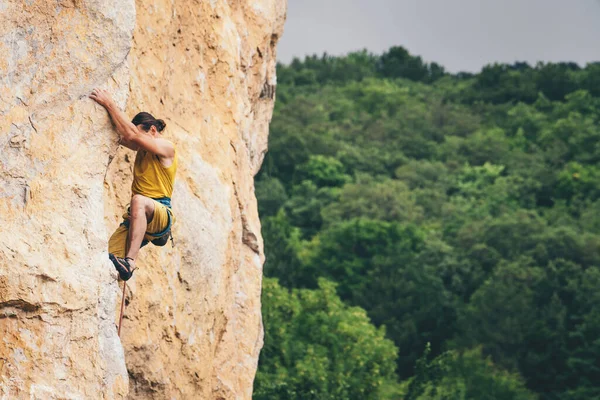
(462, 35)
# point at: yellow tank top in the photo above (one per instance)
(151, 178)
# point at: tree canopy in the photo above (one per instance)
(461, 212)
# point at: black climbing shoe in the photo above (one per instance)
(122, 266)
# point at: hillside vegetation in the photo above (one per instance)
(431, 235)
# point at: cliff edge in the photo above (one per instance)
(192, 326)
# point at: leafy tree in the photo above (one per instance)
(316, 347)
(398, 63)
(282, 245)
(532, 318)
(305, 205)
(557, 80)
(323, 171)
(500, 83)
(591, 80)
(464, 376)
(270, 194)
(388, 200)
(377, 267)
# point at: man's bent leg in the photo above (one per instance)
(117, 249)
(117, 244)
(141, 211)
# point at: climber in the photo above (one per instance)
(149, 217)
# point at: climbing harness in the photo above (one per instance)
(161, 238)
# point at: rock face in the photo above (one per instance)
(192, 327)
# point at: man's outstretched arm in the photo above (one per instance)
(125, 128)
(130, 134)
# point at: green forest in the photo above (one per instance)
(431, 235)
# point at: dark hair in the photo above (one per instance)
(147, 121)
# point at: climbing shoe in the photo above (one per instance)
(122, 266)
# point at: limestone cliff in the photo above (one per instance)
(193, 327)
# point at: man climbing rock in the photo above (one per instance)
(149, 217)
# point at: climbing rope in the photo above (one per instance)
(122, 307)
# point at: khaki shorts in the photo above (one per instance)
(118, 243)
